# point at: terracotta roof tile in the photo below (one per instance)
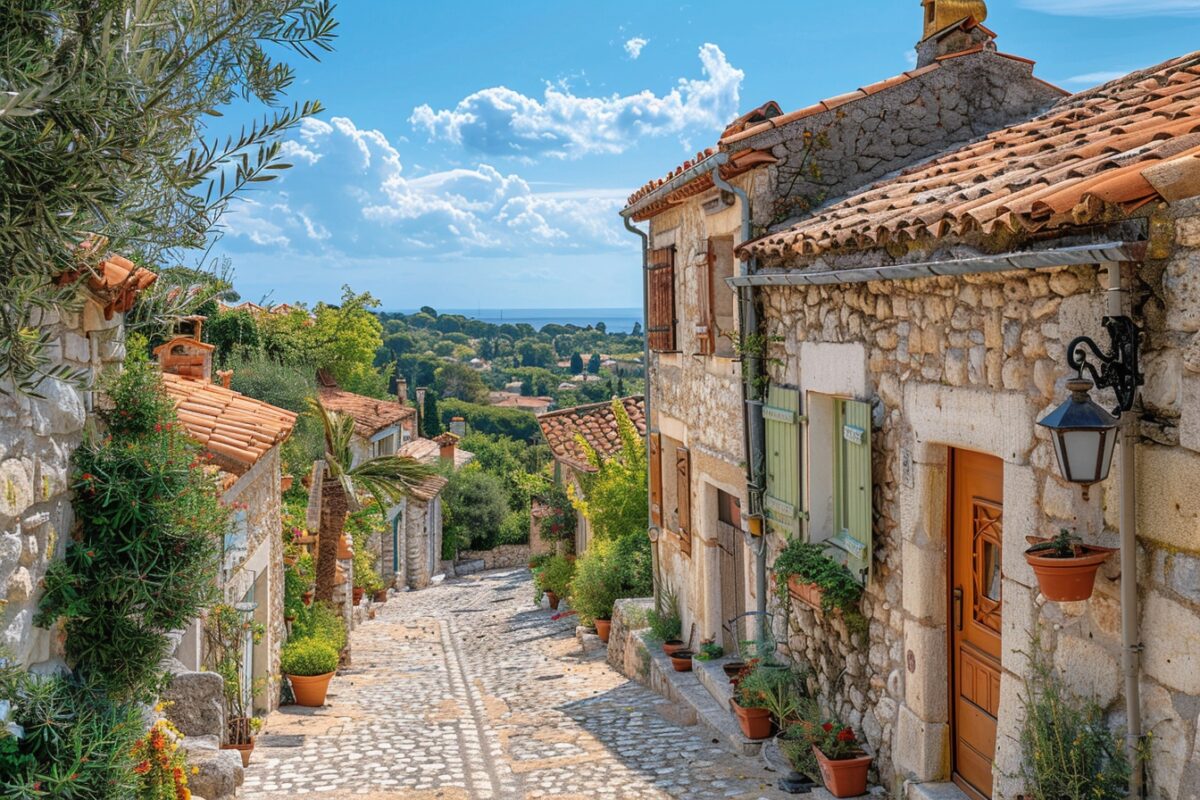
(429, 451)
(429, 488)
(595, 422)
(115, 282)
(1096, 156)
(370, 414)
(238, 429)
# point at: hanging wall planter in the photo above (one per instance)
(1065, 567)
(808, 593)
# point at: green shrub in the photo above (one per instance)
(515, 529)
(475, 506)
(614, 498)
(308, 657)
(321, 621)
(511, 422)
(597, 584)
(142, 560)
(60, 737)
(1069, 752)
(664, 619)
(809, 563)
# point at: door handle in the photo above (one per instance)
(958, 607)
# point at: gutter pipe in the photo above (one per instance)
(651, 531)
(753, 422)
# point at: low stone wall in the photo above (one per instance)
(626, 652)
(504, 556)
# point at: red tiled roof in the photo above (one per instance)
(429, 488)
(236, 428)
(1093, 157)
(370, 414)
(596, 423)
(429, 451)
(115, 282)
(738, 164)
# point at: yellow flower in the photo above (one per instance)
(195, 770)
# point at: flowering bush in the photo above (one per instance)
(143, 557)
(160, 765)
(225, 632)
(557, 519)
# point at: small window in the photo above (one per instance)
(660, 310)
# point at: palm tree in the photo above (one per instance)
(388, 479)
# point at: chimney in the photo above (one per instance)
(446, 445)
(458, 426)
(952, 26)
(225, 376)
(401, 390)
(185, 355)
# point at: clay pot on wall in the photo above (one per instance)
(307, 598)
(681, 660)
(602, 629)
(846, 777)
(285, 482)
(358, 595)
(344, 551)
(1065, 580)
(554, 599)
(733, 669)
(380, 596)
(755, 722)
(672, 646)
(808, 593)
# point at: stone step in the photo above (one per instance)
(686, 688)
(712, 677)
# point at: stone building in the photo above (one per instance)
(38, 436)
(597, 425)
(243, 436)
(415, 548)
(767, 168)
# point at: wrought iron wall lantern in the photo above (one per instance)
(1084, 433)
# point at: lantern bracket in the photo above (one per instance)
(1118, 368)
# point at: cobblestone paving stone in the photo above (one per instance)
(469, 691)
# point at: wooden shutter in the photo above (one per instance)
(683, 497)
(853, 488)
(706, 324)
(782, 420)
(656, 480)
(660, 315)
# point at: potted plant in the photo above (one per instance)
(841, 760)
(796, 743)
(710, 651)
(733, 669)
(665, 621)
(782, 695)
(1065, 567)
(803, 571)
(597, 585)
(681, 660)
(554, 578)
(750, 703)
(309, 665)
(226, 632)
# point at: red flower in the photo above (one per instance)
(845, 735)
(827, 727)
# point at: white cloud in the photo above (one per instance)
(1096, 78)
(294, 151)
(360, 199)
(1115, 8)
(635, 45)
(502, 122)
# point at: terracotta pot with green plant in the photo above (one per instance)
(553, 578)
(841, 759)
(750, 704)
(1065, 567)
(805, 572)
(665, 621)
(309, 665)
(597, 585)
(226, 630)
(681, 660)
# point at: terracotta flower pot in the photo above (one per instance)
(285, 482)
(344, 550)
(672, 646)
(755, 722)
(244, 750)
(602, 628)
(307, 597)
(1068, 579)
(844, 778)
(380, 596)
(681, 660)
(358, 594)
(808, 593)
(554, 599)
(310, 690)
(733, 669)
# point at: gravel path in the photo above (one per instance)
(468, 691)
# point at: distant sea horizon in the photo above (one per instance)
(616, 320)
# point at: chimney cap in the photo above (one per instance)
(941, 14)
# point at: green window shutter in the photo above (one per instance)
(783, 503)
(853, 487)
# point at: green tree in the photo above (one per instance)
(461, 382)
(233, 333)
(614, 497)
(387, 479)
(593, 365)
(104, 106)
(576, 363)
(431, 421)
(476, 505)
(346, 338)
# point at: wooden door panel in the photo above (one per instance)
(976, 608)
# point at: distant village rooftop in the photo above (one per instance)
(596, 423)
(371, 415)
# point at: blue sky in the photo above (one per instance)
(476, 153)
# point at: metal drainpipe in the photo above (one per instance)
(1130, 636)
(629, 226)
(755, 436)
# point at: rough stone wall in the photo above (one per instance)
(502, 556)
(973, 362)
(259, 490)
(827, 155)
(37, 439)
(418, 539)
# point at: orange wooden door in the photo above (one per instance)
(977, 504)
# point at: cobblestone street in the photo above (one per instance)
(468, 690)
